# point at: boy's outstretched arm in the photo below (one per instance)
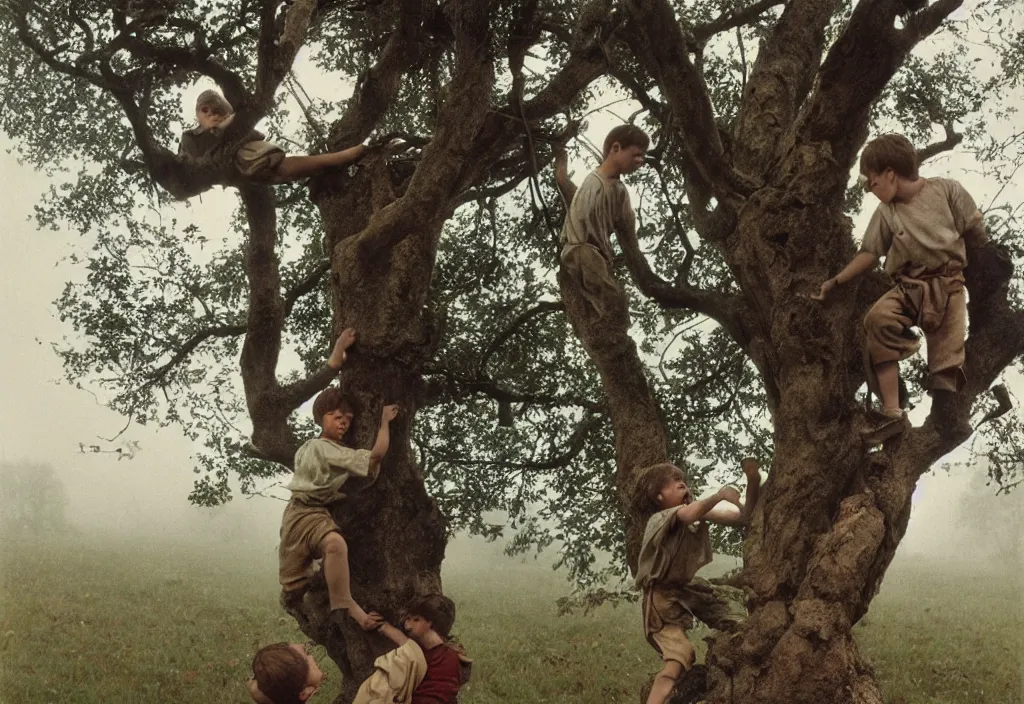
(751, 469)
(386, 629)
(739, 513)
(864, 261)
(380, 445)
(693, 512)
(341, 345)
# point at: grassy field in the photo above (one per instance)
(85, 621)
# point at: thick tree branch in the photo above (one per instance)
(779, 82)
(378, 86)
(733, 20)
(721, 307)
(262, 346)
(430, 191)
(858, 67)
(275, 59)
(952, 140)
(687, 95)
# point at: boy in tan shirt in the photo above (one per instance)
(323, 466)
(920, 227)
(600, 206)
(675, 545)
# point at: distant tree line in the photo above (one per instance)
(31, 496)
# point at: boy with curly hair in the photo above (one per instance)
(675, 545)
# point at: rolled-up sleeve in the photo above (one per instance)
(877, 237)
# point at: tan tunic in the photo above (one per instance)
(670, 555)
(924, 249)
(601, 206)
(671, 552)
(321, 469)
(396, 675)
(926, 232)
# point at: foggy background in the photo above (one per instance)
(44, 419)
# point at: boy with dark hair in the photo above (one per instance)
(600, 206)
(426, 667)
(675, 545)
(284, 673)
(920, 226)
(323, 466)
(256, 158)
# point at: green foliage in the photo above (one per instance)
(513, 436)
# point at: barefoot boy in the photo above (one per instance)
(600, 206)
(256, 159)
(920, 227)
(322, 468)
(675, 545)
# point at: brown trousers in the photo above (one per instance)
(933, 302)
(591, 274)
(670, 611)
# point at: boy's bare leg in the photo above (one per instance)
(664, 681)
(296, 167)
(888, 375)
(336, 573)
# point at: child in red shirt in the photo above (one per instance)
(428, 621)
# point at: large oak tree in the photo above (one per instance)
(442, 255)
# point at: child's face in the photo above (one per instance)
(416, 626)
(316, 676)
(209, 116)
(883, 186)
(628, 159)
(335, 424)
(674, 493)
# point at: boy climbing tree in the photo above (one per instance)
(920, 226)
(256, 158)
(675, 545)
(323, 467)
(599, 207)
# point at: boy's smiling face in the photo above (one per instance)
(209, 116)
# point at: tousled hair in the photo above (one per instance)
(649, 483)
(890, 151)
(627, 136)
(280, 673)
(436, 608)
(331, 399)
(215, 100)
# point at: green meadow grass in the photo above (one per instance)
(89, 621)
